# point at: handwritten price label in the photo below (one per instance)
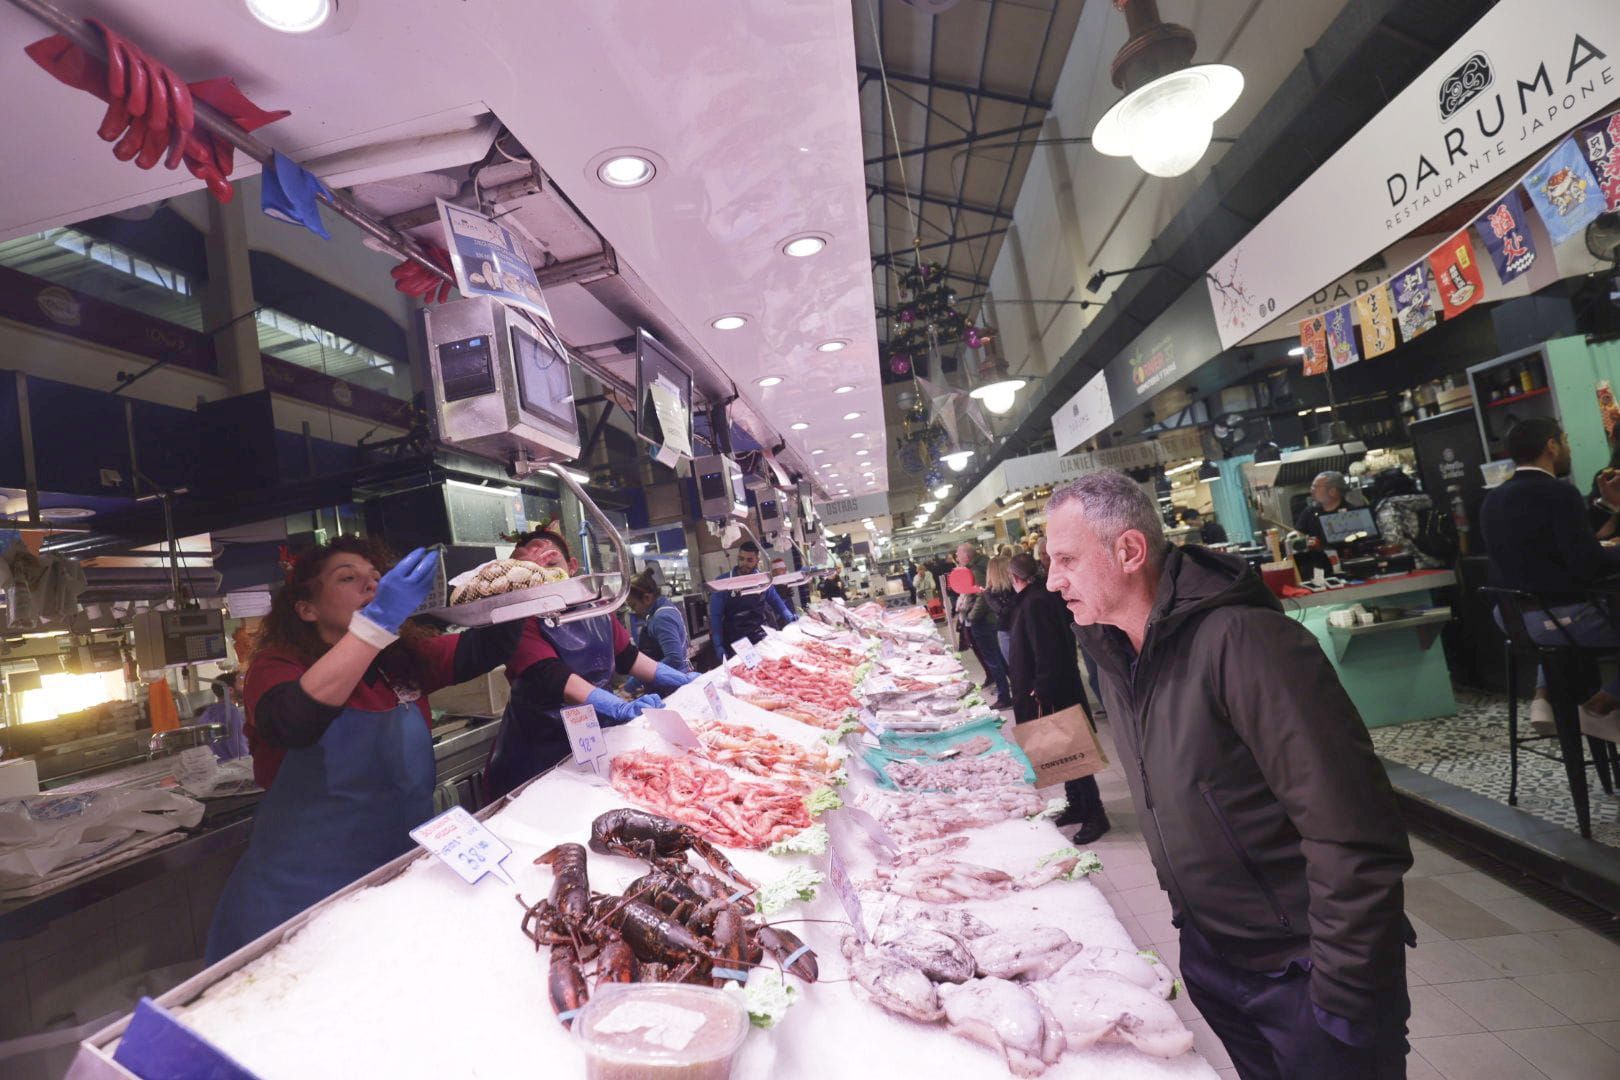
(848, 895)
(717, 705)
(745, 649)
(463, 844)
(585, 737)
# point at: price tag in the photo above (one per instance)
(879, 684)
(717, 705)
(463, 844)
(585, 737)
(887, 649)
(672, 726)
(744, 648)
(848, 895)
(869, 825)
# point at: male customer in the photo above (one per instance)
(1271, 824)
(733, 616)
(1539, 538)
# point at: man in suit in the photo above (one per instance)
(1540, 540)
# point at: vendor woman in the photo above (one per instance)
(555, 667)
(337, 721)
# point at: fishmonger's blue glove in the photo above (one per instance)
(611, 709)
(400, 592)
(666, 680)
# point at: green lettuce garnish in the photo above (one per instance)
(821, 800)
(1085, 862)
(797, 884)
(844, 728)
(767, 997)
(1054, 809)
(838, 779)
(1175, 989)
(811, 841)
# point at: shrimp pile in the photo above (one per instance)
(736, 813)
(765, 754)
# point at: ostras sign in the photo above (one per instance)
(1494, 119)
(1521, 78)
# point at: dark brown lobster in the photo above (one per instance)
(658, 840)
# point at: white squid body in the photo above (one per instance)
(1095, 1006)
(1023, 954)
(1007, 1017)
(1146, 972)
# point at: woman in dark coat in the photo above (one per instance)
(1044, 669)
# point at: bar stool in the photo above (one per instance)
(1571, 670)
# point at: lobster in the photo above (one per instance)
(658, 840)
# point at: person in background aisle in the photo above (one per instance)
(554, 667)
(1000, 597)
(1604, 515)
(1045, 676)
(338, 723)
(1210, 531)
(779, 566)
(908, 574)
(1271, 823)
(226, 711)
(1539, 540)
(734, 616)
(832, 587)
(976, 627)
(662, 636)
(1400, 510)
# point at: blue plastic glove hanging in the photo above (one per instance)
(288, 193)
(612, 709)
(666, 679)
(399, 593)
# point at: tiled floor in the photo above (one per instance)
(1470, 750)
(1502, 986)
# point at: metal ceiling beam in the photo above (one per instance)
(981, 92)
(884, 260)
(937, 200)
(954, 143)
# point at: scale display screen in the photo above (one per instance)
(1337, 528)
(466, 368)
(544, 388)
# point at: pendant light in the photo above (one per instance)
(1166, 119)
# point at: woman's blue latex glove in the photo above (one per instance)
(612, 709)
(400, 592)
(666, 679)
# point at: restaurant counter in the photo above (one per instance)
(1391, 669)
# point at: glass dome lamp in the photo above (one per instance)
(998, 397)
(957, 459)
(1167, 117)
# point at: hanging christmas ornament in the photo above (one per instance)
(908, 315)
(900, 364)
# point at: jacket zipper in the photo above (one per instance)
(1243, 856)
(1147, 789)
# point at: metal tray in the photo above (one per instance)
(545, 600)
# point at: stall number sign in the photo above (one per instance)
(463, 844)
(745, 649)
(585, 736)
(848, 895)
(711, 690)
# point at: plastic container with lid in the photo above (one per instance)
(662, 1030)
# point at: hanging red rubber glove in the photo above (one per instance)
(414, 280)
(150, 108)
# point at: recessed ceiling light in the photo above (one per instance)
(800, 426)
(857, 435)
(862, 453)
(1297, 350)
(852, 416)
(818, 452)
(836, 345)
(729, 322)
(843, 389)
(626, 171)
(770, 380)
(803, 246)
(291, 16)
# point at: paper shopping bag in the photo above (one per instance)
(1061, 746)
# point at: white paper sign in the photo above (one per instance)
(585, 737)
(672, 726)
(848, 895)
(868, 824)
(879, 684)
(1089, 411)
(745, 649)
(463, 844)
(717, 705)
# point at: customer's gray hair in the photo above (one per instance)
(1111, 503)
(1333, 479)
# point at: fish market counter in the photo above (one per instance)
(412, 972)
(1392, 668)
